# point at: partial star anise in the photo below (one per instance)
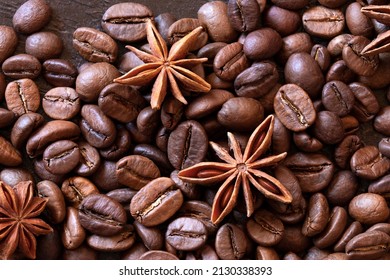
(240, 170)
(18, 222)
(166, 68)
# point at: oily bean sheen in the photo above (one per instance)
(102, 215)
(317, 215)
(121, 102)
(230, 242)
(323, 22)
(31, 16)
(126, 21)
(61, 103)
(284, 21)
(136, 171)
(262, 44)
(44, 45)
(59, 72)
(61, 156)
(50, 132)
(369, 163)
(9, 155)
(22, 96)
(8, 42)
(186, 234)
(24, 126)
(244, 14)
(21, 66)
(94, 45)
(55, 207)
(156, 202)
(13, 175)
(73, 234)
(97, 128)
(187, 145)
(294, 108)
(264, 228)
(369, 208)
(368, 245)
(75, 189)
(338, 98)
(116, 243)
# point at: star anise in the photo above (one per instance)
(240, 170)
(166, 67)
(18, 222)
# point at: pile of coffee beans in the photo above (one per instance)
(108, 163)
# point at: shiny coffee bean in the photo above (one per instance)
(75, 189)
(284, 21)
(152, 237)
(366, 104)
(22, 66)
(294, 43)
(345, 149)
(14, 175)
(7, 117)
(184, 26)
(321, 55)
(317, 215)
(354, 229)
(339, 71)
(342, 188)
(244, 15)
(44, 45)
(156, 155)
(262, 44)
(384, 147)
(369, 208)
(9, 155)
(368, 163)
(336, 45)
(230, 242)
(368, 245)
(22, 96)
(338, 98)
(61, 157)
(8, 42)
(116, 243)
(73, 233)
(59, 72)
(55, 208)
(89, 159)
(43, 174)
(157, 255)
(328, 128)
(306, 142)
(31, 16)
(382, 121)
(61, 103)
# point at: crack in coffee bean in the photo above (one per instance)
(295, 109)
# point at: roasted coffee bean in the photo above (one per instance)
(49, 246)
(120, 146)
(369, 208)
(281, 137)
(301, 69)
(384, 227)
(339, 71)
(121, 102)
(293, 240)
(291, 5)
(384, 147)
(61, 157)
(157, 255)
(230, 61)
(7, 117)
(265, 228)
(152, 237)
(22, 96)
(336, 45)
(171, 113)
(126, 21)
(266, 253)
(257, 80)
(199, 210)
(9, 155)
(61, 103)
(156, 202)
(135, 252)
(94, 45)
(334, 229)
(235, 114)
(84, 252)
(332, 3)
(116, 243)
(163, 22)
(214, 16)
(187, 145)
(15, 175)
(209, 51)
(244, 15)
(43, 174)
(161, 140)
(31, 16)
(55, 207)
(3, 85)
(89, 159)
(306, 142)
(321, 55)
(50, 132)
(382, 121)
(156, 155)
(338, 98)
(328, 127)
(284, 21)
(357, 22)
(350, 124)
(323, 22)
(8, 42)
(342, 188)
(102, 215)
(314, 253)
(44, 45)
(317, 215)
(136, 171)
(189, 190)
(368, 245)
(262, 44)
(378, 80)
(75, 189)
(59, 72)
(105, 177)
(364, 65)
(345, 149)
(294, 43)
(128, 61)
(22, 66)
(230, 242)
(294, 108)
(148, 120)
(291, 256)
(314, 171)
(354, 229)
(184, 26)
(368, 163)
(73, 233)
(381, 186)
(91, 81)
(186, 234)
(97, 128)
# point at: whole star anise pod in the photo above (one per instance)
(166, 68)
(18, 222)
(240, 170)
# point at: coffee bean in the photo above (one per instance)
(383, 227)
(73, 233)
(43, 174)
(354, 229)
(83, 252)
(294, 43)
(8, 42)
(105, 177)
(163, 22)
(294, 108)
(156, 202)
(283, 21)
(262, 44)
(293, 240)
(116, 243)
(126, 21)
(266, 253)
(342, 188)
(136, 171)
(321, 55)
(61, 157)
(152, 237)
(244, 15)
(171, 112)
(306, 142)
(186, 234)
(49, 246)
(120, 146)
(156, 155)
(44, 45)
(384, 147)
(184, 26)
(94, 45)
(328, 127)
(230, 242)
(75, 189)
(55, 207)
(357, 23)
(205, 253)
(14, 175)
(317, 215)
(22, 96)
(9, 155)
(368, 163)
(315, 253)
(59, 72)
(339, 71)
(382, 121)
(187, 145)
(61, 103)
(89, 159)
(368, 208)
(295, 5)
(7, 117)
(22, 66)
(32, 16)
(102, 215)
(338, 98)
(336, 45)
(368, 245)
(345, 149)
